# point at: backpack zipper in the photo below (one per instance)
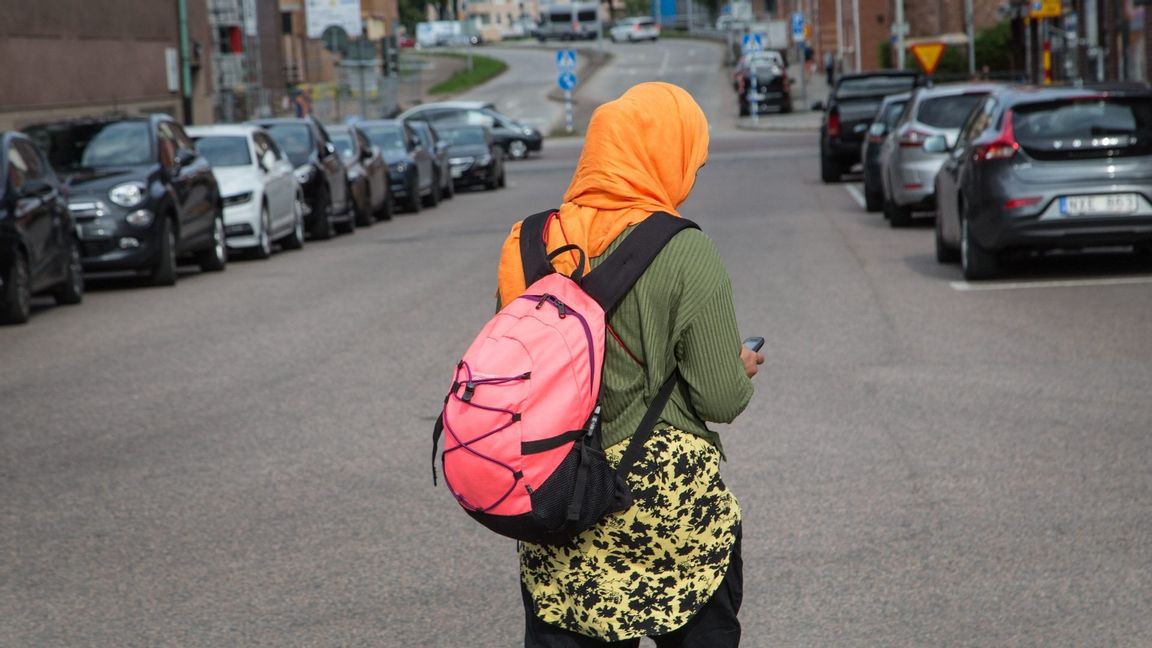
(564, 311)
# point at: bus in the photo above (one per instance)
(579, 20)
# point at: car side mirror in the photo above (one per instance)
(268, 160)
(818, 106)
(367, 153)
(184, 157)
(329, 149)
(936, 144)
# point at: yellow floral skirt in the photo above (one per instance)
(648, 570)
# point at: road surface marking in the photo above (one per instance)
(854, 191)
(964, 286)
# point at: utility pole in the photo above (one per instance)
(856, 33)
(185, 62)
(970, 29)
(900, 35)
(839, 35)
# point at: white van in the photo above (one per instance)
(579, 20)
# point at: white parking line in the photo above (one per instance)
(856, 194)
(964, 286)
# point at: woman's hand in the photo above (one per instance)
(752, 360)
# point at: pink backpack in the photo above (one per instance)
(522, 452)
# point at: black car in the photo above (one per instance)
(410, 166)
(475, 157)
(771, 92)
(367, 174)
(321, 174)
(850, 109)
(38, 247)
(438, 148)
(1038, 169)
(141, 196)
(517, 139)
(886, 118)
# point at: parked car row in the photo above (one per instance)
(143, 194)
(1002, 168)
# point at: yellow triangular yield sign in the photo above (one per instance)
(928, 55)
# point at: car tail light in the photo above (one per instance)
(834, 124)
(635, 27)
(1003, 147)
(1017, 203)
(910, 137)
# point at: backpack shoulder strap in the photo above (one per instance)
(613, 278)
(533, 254)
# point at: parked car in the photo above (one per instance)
(410, 167)
(39, 251)
(886, 118)
(636, 29)
(517, 139)
(319, 171)
(907, 171)
(367, 174)
(437, 147)
(851, 107)
(476, 158)
(1042, 169)
(771, 92)
(141, 196)
(263, 202)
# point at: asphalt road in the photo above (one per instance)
(244, 459)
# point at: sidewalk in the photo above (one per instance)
(802, 117)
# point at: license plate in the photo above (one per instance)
(456, 173)
(1100, 204)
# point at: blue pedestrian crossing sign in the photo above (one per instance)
(797, 27)
(752, 43)
(567, 80)
(566, 60)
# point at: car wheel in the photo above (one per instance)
(450, 188)
(215, 258)
(364, 217)
(944, 254)
(873, 201)
(388, 208)
(745, 109)
(517, 149)
(829, 170)
(263, 248)
(71, 290)
(786, 107)
(503, 179)
(897, 216)
(16, 299)
(412, 204)
(164, 272)
(976, 261)
(1143, 251)
(295, 240)
(322, 226)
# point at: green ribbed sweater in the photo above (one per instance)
(679, 314)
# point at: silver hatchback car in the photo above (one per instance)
(907, 170)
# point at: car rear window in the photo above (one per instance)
(586, 16)
(874, 86)
(1085, 128)
(224, 151)
(948, 112)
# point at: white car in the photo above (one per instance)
(263, 202)
(635, 29)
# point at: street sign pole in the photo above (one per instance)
(568, 111)
(566, 79)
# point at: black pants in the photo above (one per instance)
(714, 626)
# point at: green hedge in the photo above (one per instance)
(993, 48)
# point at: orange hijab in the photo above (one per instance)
(640, 156)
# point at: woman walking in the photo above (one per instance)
(669, 567)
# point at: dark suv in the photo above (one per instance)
(851, 107)
(140, 194)
(319, 170)
(38, 247)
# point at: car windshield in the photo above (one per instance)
(388, 138)
(224, 151)
(874, 86)
(465, 137)
(295, 140)
(76, 146)
(342, 140)
(1074, 124)
(948, 112)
